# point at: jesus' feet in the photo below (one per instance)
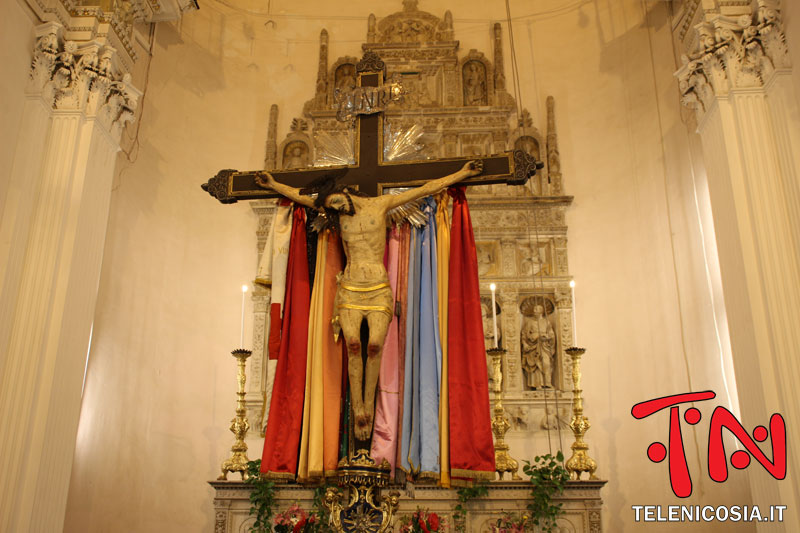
(363, 426)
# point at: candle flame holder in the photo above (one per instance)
(500, 425)
(239, 424)
(580, 461)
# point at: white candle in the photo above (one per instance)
(241, 335)
(574, 313)
(493, 287)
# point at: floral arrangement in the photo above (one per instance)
(294, 520)
(509, 523)
(421, 521)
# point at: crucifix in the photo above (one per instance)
(370, 174)
(359, 209)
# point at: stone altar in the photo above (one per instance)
(581, 503)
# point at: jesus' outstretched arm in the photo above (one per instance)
(265, 179)
(472, 168)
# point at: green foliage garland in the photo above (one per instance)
(466, 494)
(262, 498)
(548, 479)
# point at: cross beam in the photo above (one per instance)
(370, 173)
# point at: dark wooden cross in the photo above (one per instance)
(370, 173)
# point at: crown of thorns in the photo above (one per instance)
(327, 185)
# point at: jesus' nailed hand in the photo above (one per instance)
(363, 292)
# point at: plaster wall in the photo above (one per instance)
(16, 27)
(160, 386)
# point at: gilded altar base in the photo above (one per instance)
(364, 510)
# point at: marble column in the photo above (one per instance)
(737, 78)
(52, 233)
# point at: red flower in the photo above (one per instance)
(423, 526)
(298, 527)
(433, 521)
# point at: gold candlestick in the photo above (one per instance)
(239, 424)
(502, 460)
(580, 461)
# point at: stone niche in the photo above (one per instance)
(581, 503)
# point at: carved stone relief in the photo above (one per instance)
(554, 418)
(534, 258)
(424, 88)
(509, 267)
(488, 258)
(475, 144)
(473, 75)
(564, 526)
(258, 384)
(518, 416)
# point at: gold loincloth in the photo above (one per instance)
(368, 299)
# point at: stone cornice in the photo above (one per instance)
(84, 77)
(732, 52)
(112, 26)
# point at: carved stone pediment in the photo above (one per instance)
(411, 26)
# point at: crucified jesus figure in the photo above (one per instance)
(363, 291)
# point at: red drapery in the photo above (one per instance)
(286, 407)
(471, 447)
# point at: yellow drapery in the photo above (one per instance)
(321, 408)
(443, 265)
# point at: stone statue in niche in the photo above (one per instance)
(488, 324)
(474, 80)
(528, 144)
(538, 343)
(295, 155)
(418, 94)
(345, 77)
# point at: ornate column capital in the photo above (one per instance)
(735, 48)
(109, 22)
(85, 77)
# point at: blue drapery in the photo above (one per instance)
(423, 361)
